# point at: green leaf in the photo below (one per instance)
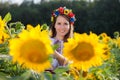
(12, 30)
(3, 76)
(45, 27)
(48, 75)
(61, 69)
(7, 17)
(24, 76)
(19, 25)
(55, 46)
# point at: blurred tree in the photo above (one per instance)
(104, 16)
(42, 1)
(98, 16)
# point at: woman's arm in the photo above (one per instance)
(61, 59)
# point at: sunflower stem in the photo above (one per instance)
(9, 32)
(42, 76)
(81, 75)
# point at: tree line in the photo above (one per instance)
(98, 16)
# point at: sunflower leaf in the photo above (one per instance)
(7, 17)
(55, 46)
(61, 69)
(3, 76)
(48, 75)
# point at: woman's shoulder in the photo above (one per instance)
(52, 39)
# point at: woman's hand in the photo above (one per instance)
(61, 59)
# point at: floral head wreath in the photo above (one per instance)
(65, 11)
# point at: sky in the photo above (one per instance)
(18, 1)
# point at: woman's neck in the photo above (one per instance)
(59, 37)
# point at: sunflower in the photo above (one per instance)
(2, 24)
(84, 51)
(90, 76)
(107, 52)
(104, 37)
(118, 41)
(3, 36)
(32, 49)
(75, 73)
(29, 27)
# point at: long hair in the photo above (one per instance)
(53, 30)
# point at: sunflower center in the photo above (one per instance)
(34, 52)
(37, 58)
(84, 51)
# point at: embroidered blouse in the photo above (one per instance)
(55, 62)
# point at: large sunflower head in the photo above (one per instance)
(84, 51)
(32, 49)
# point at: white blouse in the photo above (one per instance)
(55, 62)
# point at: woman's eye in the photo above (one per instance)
(66, 23)
(58, 23)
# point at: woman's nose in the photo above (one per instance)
(62, 26)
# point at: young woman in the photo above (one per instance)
(61, 29)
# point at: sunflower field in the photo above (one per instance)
(26, 54)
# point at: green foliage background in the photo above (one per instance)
(98, 16)
(110, 70)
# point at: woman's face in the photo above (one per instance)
(62, 26)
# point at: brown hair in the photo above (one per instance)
(53, 31)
